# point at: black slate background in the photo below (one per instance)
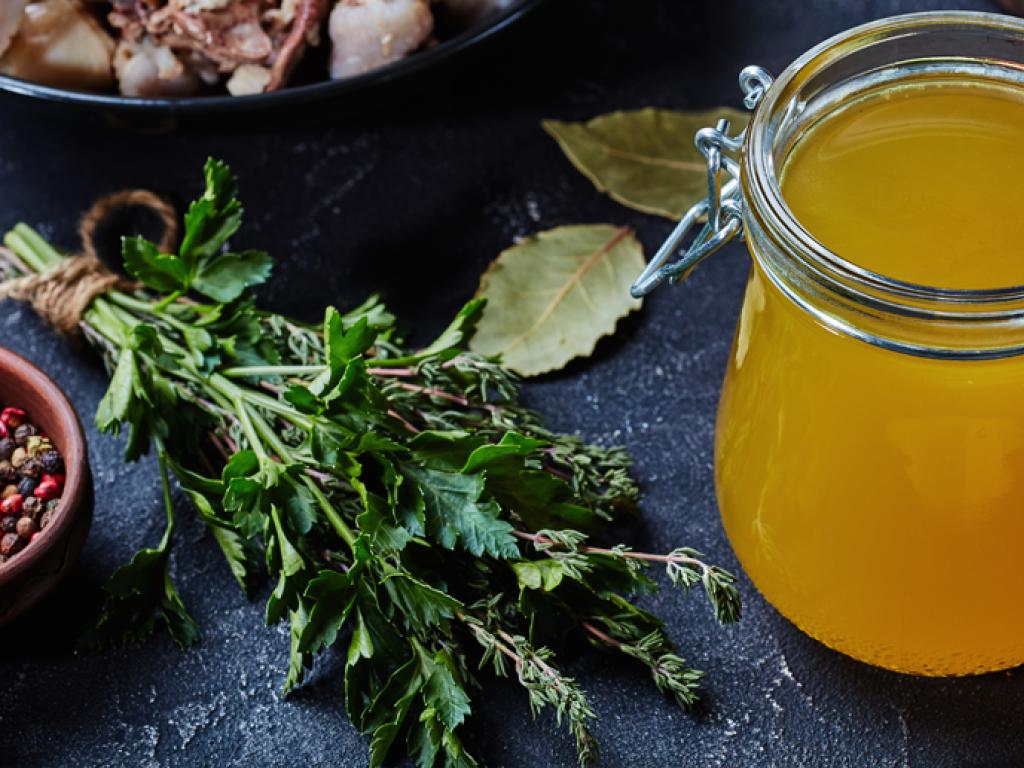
(411, 191)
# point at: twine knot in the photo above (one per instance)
(62, 293)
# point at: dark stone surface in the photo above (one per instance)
(412, 191)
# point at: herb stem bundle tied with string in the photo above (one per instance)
(402, 501)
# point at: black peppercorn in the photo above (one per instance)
(31, 468)
(24, 432)
(26, 485)
(10, 543)
(52, 463)
(8, 523)
(6, 448)
(32, 507)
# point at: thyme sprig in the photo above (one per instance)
(402, 501)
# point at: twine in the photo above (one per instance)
(62, 293)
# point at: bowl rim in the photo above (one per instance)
(76, 461)
(220, 104)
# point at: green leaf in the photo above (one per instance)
(544, 575)
(141, 592)
(406, 676)
(237, 551)
(241, 464)
(332, 596)
(459, 331)
(160, 271)
(343, 345)
(448, 449)
(456, 515)
(552, 296)
(299, 504)
(299, 660)
(422, 604)
(224, 278)
(425, 739)
(361, 644)
(137, 595)
(384, 736)
(291, 561)
(182, 627)
(113, 408)
(646, 158)
(445, 694)
(512, 446)
(211, 219)
(374, 525)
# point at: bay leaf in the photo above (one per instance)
(554, 294)
(645, 158)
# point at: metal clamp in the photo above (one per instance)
(721, 210)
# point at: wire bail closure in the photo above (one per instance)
(721, 210)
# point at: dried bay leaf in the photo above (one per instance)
(646, 158)
(553, 295)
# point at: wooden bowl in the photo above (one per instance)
(33, 572)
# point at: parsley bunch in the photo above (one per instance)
(404, 504)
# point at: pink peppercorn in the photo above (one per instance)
(11, 505)
(47, 490)
(56, 479)
(12, 417)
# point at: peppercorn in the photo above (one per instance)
(38, 444)
(32, 507)
(26, 527)
(12, 417)
(24, 432)
(11, 505)
(10, 544)
(47, 490)
(52, 462)
(31, 468)
(31, 481)
(19, 457)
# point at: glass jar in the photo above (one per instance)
(870, 438)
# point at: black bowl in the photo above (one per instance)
(289, 95)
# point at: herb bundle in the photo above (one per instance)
(402, 501)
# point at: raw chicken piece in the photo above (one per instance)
(11, 12)
(469, 12)
(248, 79)
(146, 69)
(60, 44)
(371, 33)
(229, 36)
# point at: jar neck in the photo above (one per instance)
(896, 315)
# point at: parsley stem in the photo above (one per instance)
(242, 411)
(340, 526)
(247, 371)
